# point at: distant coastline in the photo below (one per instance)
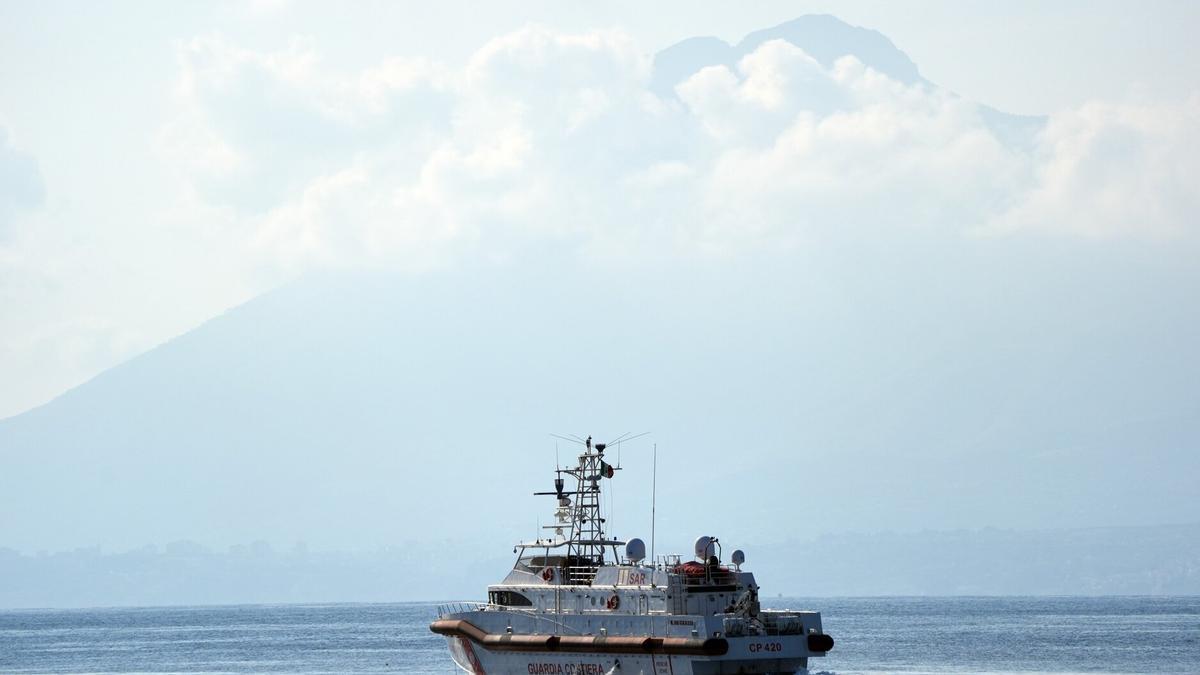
(1151, 560)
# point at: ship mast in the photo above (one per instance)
(586, 542)
(587, 534)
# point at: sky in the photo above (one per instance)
(161, 163)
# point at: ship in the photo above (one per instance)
(578, 602)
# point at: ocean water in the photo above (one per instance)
(874, 635)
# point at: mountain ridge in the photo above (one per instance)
(822, 36)
(1136, 560)
(825, 38)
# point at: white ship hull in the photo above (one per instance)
(472, 659)
(496, 641)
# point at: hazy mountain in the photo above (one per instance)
(791, 394)
(868, 379)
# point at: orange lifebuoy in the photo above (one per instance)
(548, 574)
(614, 601)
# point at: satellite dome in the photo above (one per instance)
(738, 557)
(635, 550)
(704, 548)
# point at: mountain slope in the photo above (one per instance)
(359, 410)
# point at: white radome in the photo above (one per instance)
(635, 550)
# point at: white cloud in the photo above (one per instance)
(552, 142)
(1109, 170)
(772, 86)
(253, 129)
(544, 134)
(884, 157)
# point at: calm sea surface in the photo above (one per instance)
(911, 635)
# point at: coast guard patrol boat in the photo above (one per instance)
(579, 603)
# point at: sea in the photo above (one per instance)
(874, 635)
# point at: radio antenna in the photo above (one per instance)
(653, 504)
(627, 437)
(577, 439)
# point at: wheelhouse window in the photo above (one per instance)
(537, 563)
(509, 599)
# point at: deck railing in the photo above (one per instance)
(459, 607)
(546, 623)
(777, 622)
(581, 576)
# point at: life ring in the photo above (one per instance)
(548, 575)
(614, 601)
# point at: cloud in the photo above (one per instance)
(21, 187)
(804, 152)
(255, 129)
(545, 137)
(546, 143)
(1109, 170)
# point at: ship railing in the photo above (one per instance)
(667, 561)
(553, 626)
(710, 579)
(556, 626)
(581, 575)
(461, 607)
(777, 622)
